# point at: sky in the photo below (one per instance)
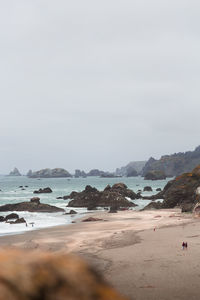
(97, 84)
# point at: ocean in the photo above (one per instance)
(12, 193)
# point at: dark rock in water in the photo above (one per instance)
(155, 175)
(153, 205)
(60, 198)
(50, 173)
(91, 197)
(79, 173)
(15, 172)
(21, 186)
(91, 219)
(71, 196)
(11, 216)
(18, 221)
(35, 200)
(30, 206)
(26, 186)
(147, 189)
(2, 219)
(158, 190)
(23, 189)
(183, 191)
(72, 212)
(45, 190)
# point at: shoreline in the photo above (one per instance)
(124, 247)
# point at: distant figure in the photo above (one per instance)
(154, 229)
(186, 245)
(26, 225)
(183, 245)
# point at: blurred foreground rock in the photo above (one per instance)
(45, 276)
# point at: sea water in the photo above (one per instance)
(12, 193)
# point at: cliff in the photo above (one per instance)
(175, 164)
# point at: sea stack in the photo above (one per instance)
(15, 172)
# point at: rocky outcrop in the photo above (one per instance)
(134, 168)
(29, 174)
(34, 275)
(111, 196)
(18, 221)
(95, 172)
(155, 175)
(11, 216)
(181, 192)
(147, 189)
(50, 173)
(43, 191)
(31, 206)
(15, 172)
(153, 205)
(79, 173)
(175, 164)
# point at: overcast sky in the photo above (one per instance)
(95, 84)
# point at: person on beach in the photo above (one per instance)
(186, 245)
(183, 245)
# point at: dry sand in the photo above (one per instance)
(140, 262)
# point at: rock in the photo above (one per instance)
(131, 172)
(113, 209)
(30, 206)
(71, 196)
(79, 173)
(15, 172)
(72, 212)
(35, 200)
(187, 207)
(11, 216)
(91, 219)
(91, 207)
(107, 188)
(18, 221)
(28, 275)
(60, 198)
(119, 186)
(153, 205)
(45, 190)
(147, 189)
(29, 174)
(21, 186)
(95, 172)
(155, 175)
(135, 165)
(89, 189)
(2, 219)
(158, 190)
(91, 197)
(50, 173)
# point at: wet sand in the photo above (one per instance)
(139, 261)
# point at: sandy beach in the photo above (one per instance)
(139, 253)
